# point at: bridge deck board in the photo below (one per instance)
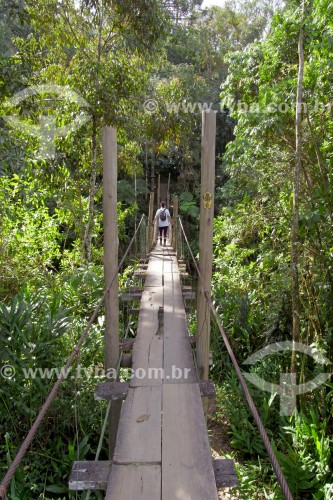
(187, 470)
(179, 366)
(153, 273)
(139, 432)
(134, 482)
(148, 346)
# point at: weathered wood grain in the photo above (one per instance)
(134, 482)
(111, 390)
(207, 389)
(154, 272)
(225, 473)
(130, 296)
(187, 470)
(147, 358)
(89, 475)
(177, 347)
(139, 433)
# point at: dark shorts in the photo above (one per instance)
(163, 230)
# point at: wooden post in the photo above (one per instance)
(208, 140)
(109, 142)
(168, 192)
(151, 227)
(175, 224)
(143, 239)
(152, 173)
(158, 199)
(146, 158)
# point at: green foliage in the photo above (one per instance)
(255, 481)
(252, 238)
(303, 447)
(310, 440)
(29, 233)
(37, 333)
(245, 436)
(188, 205)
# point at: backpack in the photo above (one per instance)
(162, 215)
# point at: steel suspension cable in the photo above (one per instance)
(63, 374)
(275, 464)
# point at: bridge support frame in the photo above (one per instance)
(151, 223)
(208, 141)
(110, 219)
(174, 229)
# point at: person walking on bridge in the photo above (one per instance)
(164, 221)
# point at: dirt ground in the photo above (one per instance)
(218, 430)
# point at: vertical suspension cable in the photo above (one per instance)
(143, 240)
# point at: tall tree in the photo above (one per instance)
(295, 244)
(102, 51)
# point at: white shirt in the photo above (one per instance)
(163, 223)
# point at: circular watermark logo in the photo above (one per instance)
(7, 371)
(150, 105)
(46, 129)
(288, 388)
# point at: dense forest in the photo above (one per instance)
(148, 68)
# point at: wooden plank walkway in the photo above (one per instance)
(162, 450)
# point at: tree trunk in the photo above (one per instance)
(92, 185)
(295, 217)
(92, 191)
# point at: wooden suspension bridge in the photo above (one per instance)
(158, 440)
(162, 449)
